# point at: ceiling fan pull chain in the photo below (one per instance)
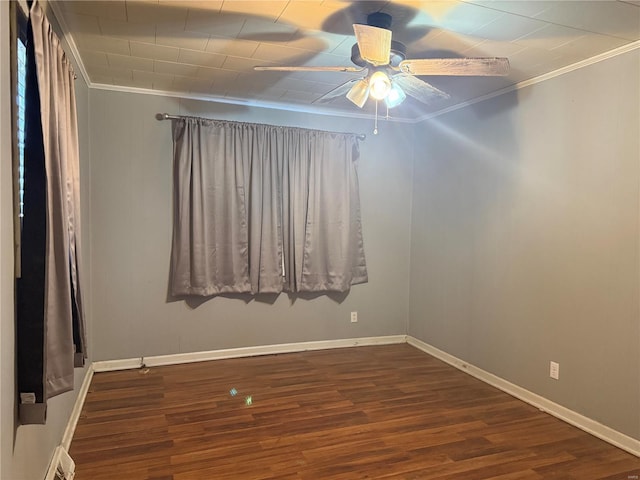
(375, 127)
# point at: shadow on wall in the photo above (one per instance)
(503, 103)
(475, 176)
(498, 172)
(486, 171)
(466, 174)
(194, 302)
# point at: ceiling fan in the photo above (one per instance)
(388, 75)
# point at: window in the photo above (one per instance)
(20, 117)
(18, 89)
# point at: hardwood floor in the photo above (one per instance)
(383, 412)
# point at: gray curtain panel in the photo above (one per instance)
(264, 209)
(64, 328)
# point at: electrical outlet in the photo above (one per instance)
(554, 370)
(354, 317)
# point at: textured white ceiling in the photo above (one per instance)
(209, 48)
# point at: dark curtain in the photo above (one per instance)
(50, 322)
(30, 291)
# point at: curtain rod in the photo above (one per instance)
(166, 116)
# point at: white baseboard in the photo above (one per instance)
(178, 358)
(596, 429)
(60, 455)
(70, 429)
(62, 466)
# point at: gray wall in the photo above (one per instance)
(25, 451)
(525, 238)
(6, 253)
(131, 191)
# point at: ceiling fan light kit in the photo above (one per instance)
(388, 75)
(380, 85)
(396, 96)
(359, 92)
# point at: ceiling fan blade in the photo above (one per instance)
(492, 66)
(419, 89)
(309, 69)
(339, 91)
(374, 43)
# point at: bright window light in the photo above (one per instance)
(20, 100)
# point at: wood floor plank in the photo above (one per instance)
(384, 412)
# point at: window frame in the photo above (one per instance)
(18, 33)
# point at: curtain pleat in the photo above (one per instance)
(264, 209)
(332, 252)
(63, 327)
